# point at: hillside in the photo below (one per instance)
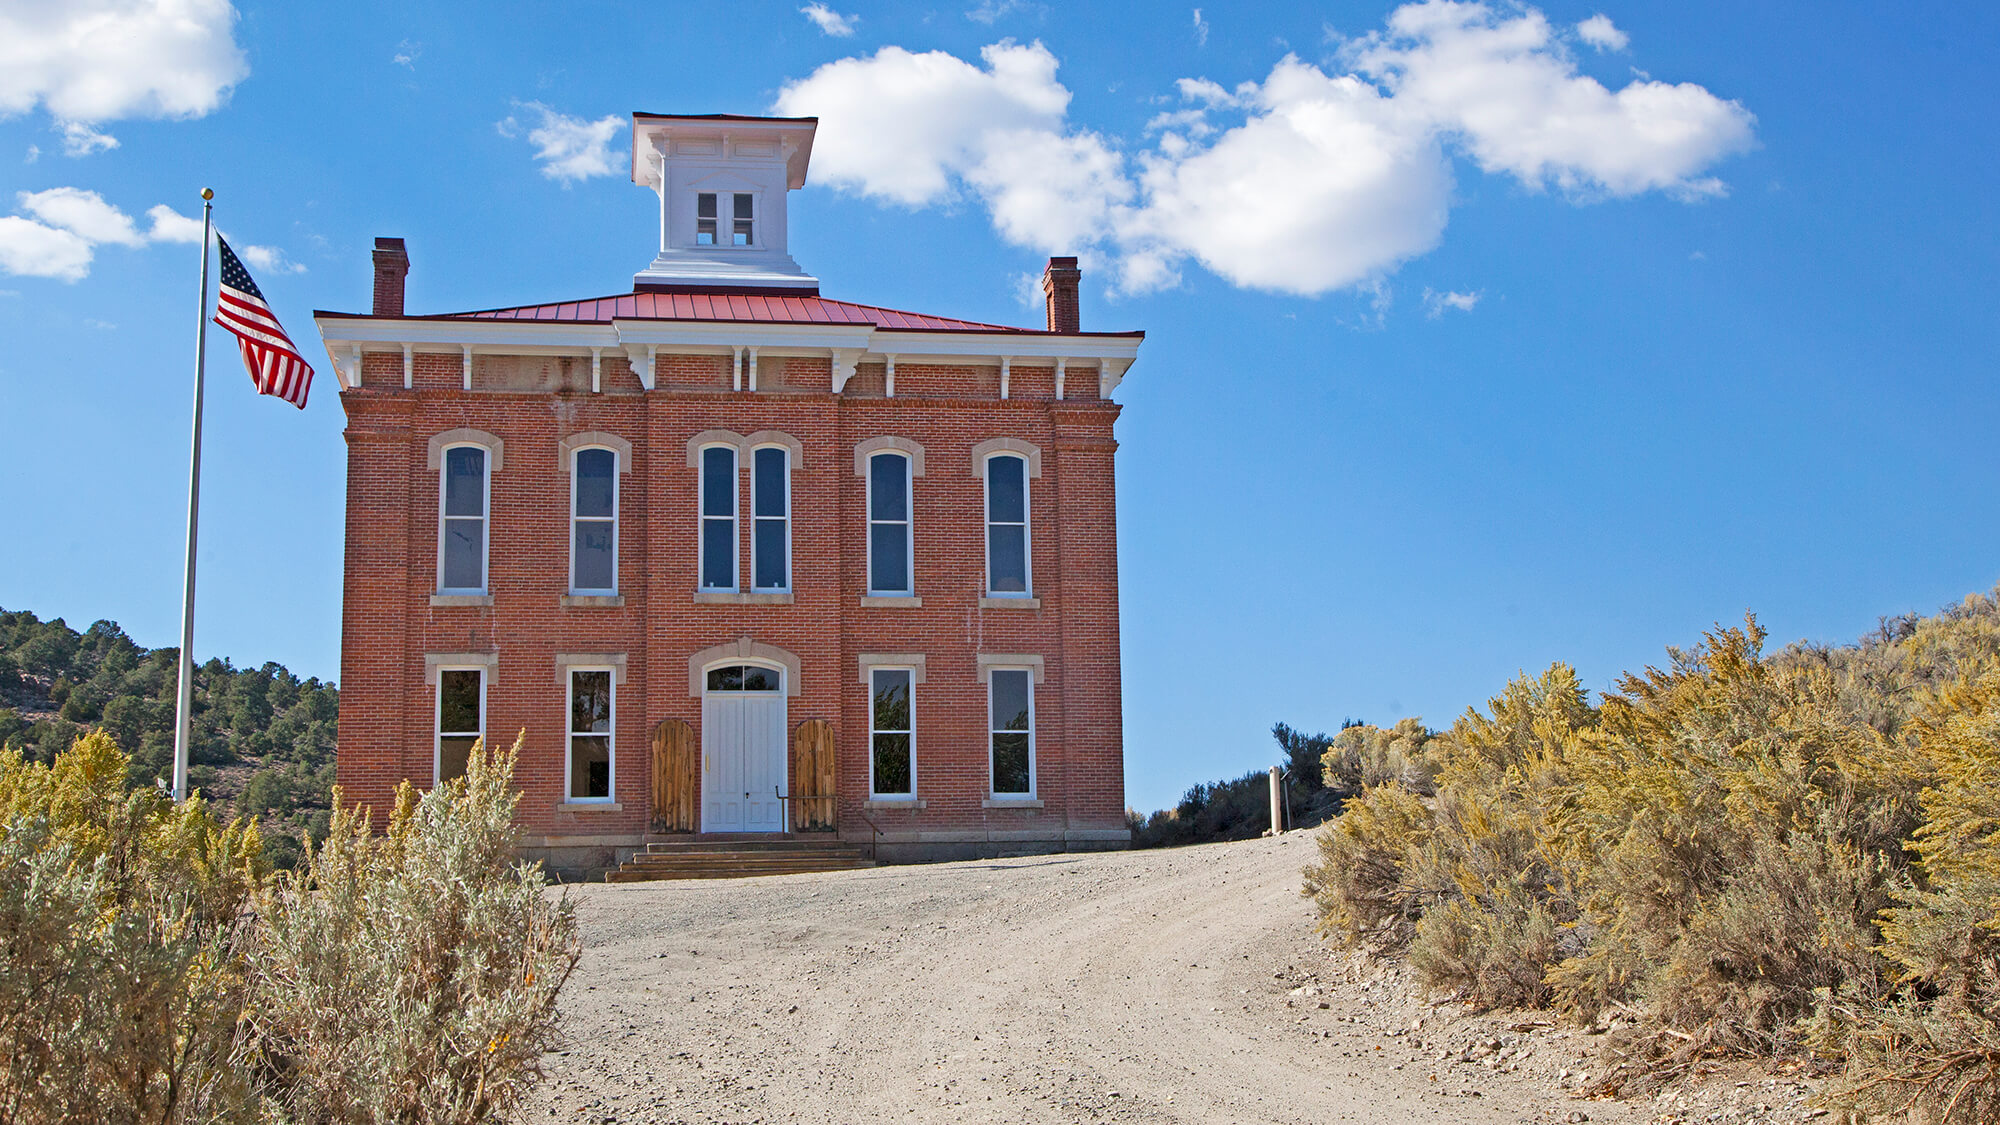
(263, 738)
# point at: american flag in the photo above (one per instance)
(275, 365)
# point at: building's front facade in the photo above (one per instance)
(733, 556)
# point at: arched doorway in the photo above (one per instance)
(743, 747)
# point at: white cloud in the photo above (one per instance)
(407, 54)
(270, 259)
(571, 148)
(101, 60)
(1306, 182)
(170, 225)
(1601, 33)
(100, 325)
(1200, 29)
(30, 249)
(34, 154)
(991, 11)
(829, 21)
(1436, 304)
(82, 140)
(82, 213)
(1504, 89)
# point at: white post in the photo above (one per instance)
(184, 696)
(1277, 802)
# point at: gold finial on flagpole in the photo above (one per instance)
(207, 193)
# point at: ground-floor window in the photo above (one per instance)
(461, 714)
(590, 737)
(1011, 726)
(889, 732)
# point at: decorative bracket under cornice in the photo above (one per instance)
(844, 360)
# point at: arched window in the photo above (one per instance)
(593, 556)
(889, 541)
(464, 494)
(771, 523)
(745, 677)
(1007, 570)
(718, 517)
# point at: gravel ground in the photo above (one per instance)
(1173, 985)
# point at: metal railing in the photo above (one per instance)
(784, 804)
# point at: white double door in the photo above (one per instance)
(743, 761)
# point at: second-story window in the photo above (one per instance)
(1007, 526)
(718, 518)
(889, 524)
(770, 542)
(462, 531)
(593, 556)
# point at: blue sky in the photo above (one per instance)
(1479, 338)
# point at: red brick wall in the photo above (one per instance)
(387, 710)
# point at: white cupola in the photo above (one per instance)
(722, 182)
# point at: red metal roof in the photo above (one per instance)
(766, 308)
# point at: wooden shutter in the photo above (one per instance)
(676, 778)
(812, 775)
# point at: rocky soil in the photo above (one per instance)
(1173, 985)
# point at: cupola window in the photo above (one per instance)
(708, 229)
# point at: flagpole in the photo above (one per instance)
(184, 700)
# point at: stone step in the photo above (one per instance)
(767, 844)
(746, 861)
(650, 872)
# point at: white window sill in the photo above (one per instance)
(891, 601)
(461, 599)
(576, 601)
(1011, 803)
(589, 806)
(730, 597)
(892, 804)
(1010, 603)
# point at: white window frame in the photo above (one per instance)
(729, 220)
(701, 518)
(438, 733)
(574, 519)
(610, 736)
(785, 459)
(485, 518)
(909, 523)
(916, 677)
(1027, 524)
(1034, 782)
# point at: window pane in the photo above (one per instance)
(595, 469)
(453, 754)
(892, 699)
(1007, 558)
(743, 205)
(704, 204)
(465, 481)
(892, 763)
(1010, 763)
(718, 481)
(770, 465)
(589, 767)
(718, 554)
(1010, 699)
(464, 555)
(590, 702)
(1006, 495)
(729, 678)
(760, 679)
(704, 233)
(741, 235)
(593, 555)
(888, 558)
(888, 487)
(770, 554)
(458, 701)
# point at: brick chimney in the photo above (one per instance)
(392, 265)
(1059, 281)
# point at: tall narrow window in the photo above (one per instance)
(889, 524)
(590, 734)
(704, 219)
(889, 731)
(461, 718)
(1006, 526)
(462, 545)
(741, 232)
(718, 518)
(1011, 707)
(771, 510)
(593, 559)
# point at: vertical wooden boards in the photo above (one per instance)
(676, 778)
(812, 775)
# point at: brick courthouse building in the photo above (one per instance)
(736, 557)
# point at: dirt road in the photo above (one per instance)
(1176, 985)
